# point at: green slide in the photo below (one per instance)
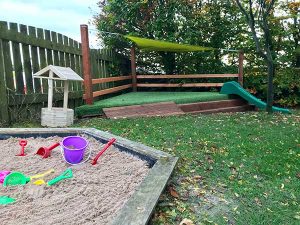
(235, 88)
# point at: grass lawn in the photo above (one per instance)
(137, 98)
(241, 168)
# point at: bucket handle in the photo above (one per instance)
(74, 164)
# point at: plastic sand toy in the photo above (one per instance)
(22, 143)
(42, 174)
(65, 175)
(4, 200)
(111, 141)
(46, 152)
(74, 148)
(39, 182)
(3, 174)
(15, 178)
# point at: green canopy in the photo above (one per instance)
(164, 46)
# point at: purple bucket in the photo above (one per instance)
(74, 148)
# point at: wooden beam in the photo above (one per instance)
(40, 98)
(66, 94)
(241, 69)
(110, 90)
(144, 110)
(182, 85)
(110, 79)
(186, 76)
(50, 90)
(88, 87)
(133, 69)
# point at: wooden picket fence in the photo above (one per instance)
(24, 50)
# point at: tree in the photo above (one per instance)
(210, 23)
(286, 25)
(294, 8)
(150, 19)
(257, 14)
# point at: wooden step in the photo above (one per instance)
(242, 108)
(145, 110)
(198, 106)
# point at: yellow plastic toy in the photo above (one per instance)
(42, 174)
(39, 182)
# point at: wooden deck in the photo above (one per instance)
(145, 110)
(170, 108)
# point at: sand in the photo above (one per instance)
(93, 196)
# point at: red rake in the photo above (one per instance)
(111, 141)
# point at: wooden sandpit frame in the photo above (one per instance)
(139, 207)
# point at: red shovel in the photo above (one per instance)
(111, 141)
(46, 152)
(23, 143)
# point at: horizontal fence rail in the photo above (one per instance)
(115, 89)
(109, 90)
(182, 84)
(186, 76)
(110, 79)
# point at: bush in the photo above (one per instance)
(286, 85)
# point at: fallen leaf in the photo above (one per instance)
(186, 222)
(173, 192)
(297, 217)
(298, 175)
(257, 201)
(200, 177)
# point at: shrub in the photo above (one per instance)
(286, 85)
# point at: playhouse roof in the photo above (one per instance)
(59, 73)
(164, 46)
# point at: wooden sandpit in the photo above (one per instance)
(101, 194)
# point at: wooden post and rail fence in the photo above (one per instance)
(134, 79)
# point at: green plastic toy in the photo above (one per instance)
(65, 175)
(4, 200)
(15, 178)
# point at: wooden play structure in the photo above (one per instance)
(136, 82)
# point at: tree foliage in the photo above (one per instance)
(204, 23)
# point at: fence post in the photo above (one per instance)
(241, 68)
(88, 86)
(4, 115)
(133, 69)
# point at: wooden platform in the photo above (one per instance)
(170, 108)
(146, 110)
(233, 105)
